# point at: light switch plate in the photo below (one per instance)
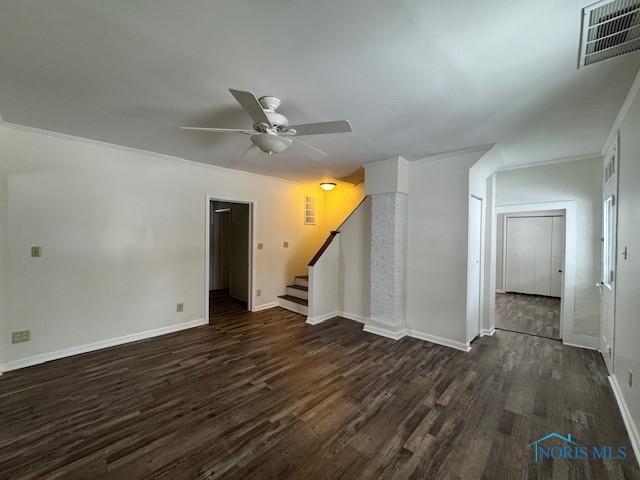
(285, 244)
(258, 292)
(260, 246)
(180, 307)
(630, 378)
(36, 251)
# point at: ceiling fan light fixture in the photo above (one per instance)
(271, 143)
(327, 186)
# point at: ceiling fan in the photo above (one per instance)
(271, 131)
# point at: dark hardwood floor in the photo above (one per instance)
(532, 314)
(222, 305)
(262, 395)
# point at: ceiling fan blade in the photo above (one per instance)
(220, 130)
(339, 126)
(314, 152)
(251, 105)
(252, 151)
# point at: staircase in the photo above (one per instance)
(297, 297)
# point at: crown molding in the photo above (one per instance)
(74, 138)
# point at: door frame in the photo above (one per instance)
(207, 248)
(505, 217)
(471, 328)
(567, 302)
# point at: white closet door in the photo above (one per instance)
(529, 255)
(557, 255)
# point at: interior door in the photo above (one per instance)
(529, 255)
(473, 284)
(607, 284)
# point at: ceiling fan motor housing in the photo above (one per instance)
(270, 105)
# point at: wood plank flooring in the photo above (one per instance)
(532, 314)
(262, 395)
(221, 304)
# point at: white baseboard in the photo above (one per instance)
(353, 316)
(632, 429)
(484, 332)
(90, 347)
(582, 341)
(465, 347)
(264, 306)
(321, 318)
(383, 332)
(499, 290)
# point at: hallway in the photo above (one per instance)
(531, 314)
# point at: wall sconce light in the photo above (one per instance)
(327, 186)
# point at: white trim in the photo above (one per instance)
(383, 332)
(554, 161)
(487, 332)
(322, 318)
(465, 347)
(90, 347)
(353, 316)
(293, 306)
(582, 341)
(345, 315)
(66, 136)
(207, 248)
(499, 290)
(632, 429)
(470, 326)
(398, 334)
(567, 302)
(451, 153)
(264, 306)
(622, 114)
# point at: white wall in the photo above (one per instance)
(437, 245)
(627, 311)
(579, 181)
(324, 284)
(354, 263)
(123, 238)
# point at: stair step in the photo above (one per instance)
(304, 277)
(302, 280)
(298, 300)
(295, 304)
(299, 291)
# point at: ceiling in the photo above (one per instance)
(415, 78)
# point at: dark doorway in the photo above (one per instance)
(229, 258)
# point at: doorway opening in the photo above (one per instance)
(229, 258)
(530, 269)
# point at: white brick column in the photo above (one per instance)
(387, 185)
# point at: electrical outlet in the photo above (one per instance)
(630, 377)
(260, 246)
(285, 244)
(180, 307)
(258, 292)
(36, 251)
(21, 336)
